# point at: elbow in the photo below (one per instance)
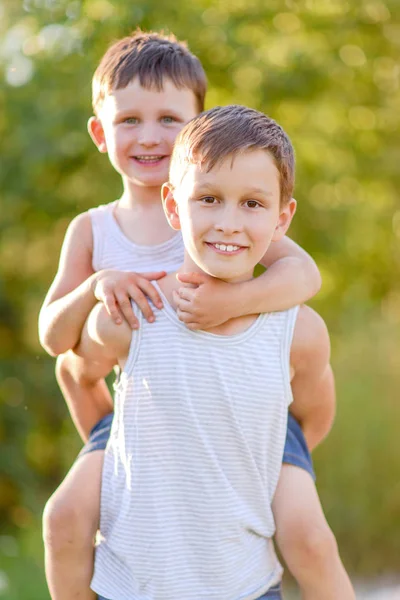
(48, 344)
(46, 339)
(51, 344)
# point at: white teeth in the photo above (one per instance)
(149, 158)
(227, 248)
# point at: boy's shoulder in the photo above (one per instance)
(310, 339)
(79, 235)
(81, 226)
(103, 208)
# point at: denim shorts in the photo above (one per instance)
(295, 452)
(275, 593)
(98, 436)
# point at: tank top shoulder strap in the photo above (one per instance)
(288, 331)
(99, 217)
(280, 326)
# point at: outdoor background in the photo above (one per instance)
(328, 71)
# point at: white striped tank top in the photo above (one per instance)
(113, 250)
(193, 461)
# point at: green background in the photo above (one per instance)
(328, 71)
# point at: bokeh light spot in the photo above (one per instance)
(20, 71)
(99, 10)
(377, 12)
(352, 56)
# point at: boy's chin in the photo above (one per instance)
(229, 276)
(149, 182)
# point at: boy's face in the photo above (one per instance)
(230, 215)
(138, 127)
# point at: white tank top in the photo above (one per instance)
(193, 462)
(113, 250)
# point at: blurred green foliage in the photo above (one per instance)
(328, 70)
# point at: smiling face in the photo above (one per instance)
(229, 215)
(138, 127)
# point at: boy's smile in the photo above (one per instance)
(226, 248)
(138, 127)
(230, 214)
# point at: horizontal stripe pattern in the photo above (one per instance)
(193, 462)
(113, 250)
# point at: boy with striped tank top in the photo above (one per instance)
(195, 454)
(145, 89)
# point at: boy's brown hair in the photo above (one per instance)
(150, 57)
(226, 131)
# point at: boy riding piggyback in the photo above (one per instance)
(145, 89)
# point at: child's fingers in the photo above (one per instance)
(151, 292)
(112, 308)
(186, 293)
(126, 309)
(187, 319)
(193, 326)
(184, 316)
(137, 295)
(185, 306)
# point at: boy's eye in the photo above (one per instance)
(208, 200)
(252, 203)
(131, 121)
(168, 120)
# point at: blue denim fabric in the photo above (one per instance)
(99, 435)
(275, 593)
(296, 451)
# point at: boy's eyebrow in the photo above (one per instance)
(122, 112)
(261, 191)
(204, 188)
(208, 188)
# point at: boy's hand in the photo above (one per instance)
(116, 289)
(203, 301)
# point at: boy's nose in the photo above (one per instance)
(229, 222)
(149, 135)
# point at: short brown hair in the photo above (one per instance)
(226, 131)
(150, 57)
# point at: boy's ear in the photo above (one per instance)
(170, 206)
(96, 132)
(285, 218)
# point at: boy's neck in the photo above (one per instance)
(140, 195)
(140, 216)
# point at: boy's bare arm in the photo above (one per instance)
(80, 373)
(292, 277)
(70, 297)
(312, 384)
(76, 289)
